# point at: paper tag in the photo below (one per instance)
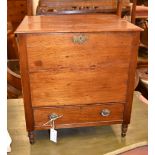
(53, 135)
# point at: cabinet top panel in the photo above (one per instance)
(75, 23)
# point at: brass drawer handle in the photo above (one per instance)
(80, 39)
(51, 120)
(105, 112)
(54, 116)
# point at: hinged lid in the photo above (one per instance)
(75, 23)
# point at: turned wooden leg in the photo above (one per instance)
(31, 137)
(124, 129)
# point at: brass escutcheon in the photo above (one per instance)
(80, 39)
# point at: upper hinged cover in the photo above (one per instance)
(75, 23)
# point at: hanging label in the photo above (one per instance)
(53, 135)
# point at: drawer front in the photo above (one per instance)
(76, 51)
(79, 114)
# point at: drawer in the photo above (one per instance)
(64, 51)
(74, 115)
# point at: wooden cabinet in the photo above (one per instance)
(16, 11)
(78, 66)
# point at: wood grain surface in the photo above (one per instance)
(55, 68)
(131, 81)
(65, 3)
(25, 83)
(58, 51)
(75, 23)
(77, 88)
(16, 11)
(48, 7)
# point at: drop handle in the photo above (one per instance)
(105, 112)
(54, 116)
(51, 120)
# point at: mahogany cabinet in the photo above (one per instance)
(16, 11)
(80, 67)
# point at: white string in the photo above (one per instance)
(45, 124)
(53, 124)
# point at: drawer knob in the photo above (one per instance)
(105, 112)
(80, 39)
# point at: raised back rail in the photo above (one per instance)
(49, 7)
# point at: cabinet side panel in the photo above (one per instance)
(25, 82)
(131, 77)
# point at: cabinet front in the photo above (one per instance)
(78, 68)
